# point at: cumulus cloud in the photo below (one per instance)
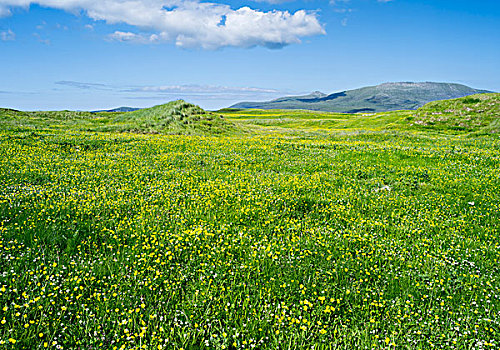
(8, 35)
(190, 23)
(133, 37)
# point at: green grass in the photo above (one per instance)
(309, 121)
(297, 230)
(472, 115)
(177, 117)
(478, 114)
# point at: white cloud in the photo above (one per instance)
(8, 35)
(201, 89)
(274, 2)
(190, 23)
(83, 85)
(168, 89)
(4, 11)
(338, 2)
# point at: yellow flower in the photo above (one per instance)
(11, 340)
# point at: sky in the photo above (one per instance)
(101, 54)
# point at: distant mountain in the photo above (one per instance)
(371, 99)
(119, 109)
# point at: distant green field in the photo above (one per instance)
(476, 114)
(176, 228)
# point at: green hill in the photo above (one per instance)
(177, 117)
(371, 99)
(174, 117)
(475, 113)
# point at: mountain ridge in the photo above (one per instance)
(379, 98)
(117, 110)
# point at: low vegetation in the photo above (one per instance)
(177, 117)
(478, 114)
(472, 115)
(284, 230)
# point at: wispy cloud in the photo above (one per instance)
(7, 35)
(191, 23)
(86, 86)
(274, 2)
(41, 40)
(176, 91)
(338, 2)
(201, 89)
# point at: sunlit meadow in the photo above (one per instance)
(265, 240)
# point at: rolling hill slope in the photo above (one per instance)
(478, 114)
(371, 99)
(176, 117)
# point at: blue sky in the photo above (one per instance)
(93, 54)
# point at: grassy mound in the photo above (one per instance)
(479, 114)
(177, 117)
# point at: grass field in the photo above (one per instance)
(285, 230)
